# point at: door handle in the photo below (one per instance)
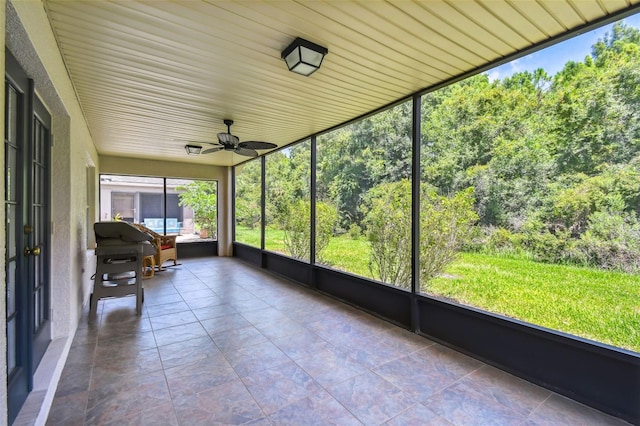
(35, 251)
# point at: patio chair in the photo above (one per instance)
(165, 246)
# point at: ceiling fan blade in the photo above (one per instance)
(210, 150)
(257, 145)
(246, 151)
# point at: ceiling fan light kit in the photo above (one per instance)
(304, 57)
(193, 149)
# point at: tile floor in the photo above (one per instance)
(221, 342)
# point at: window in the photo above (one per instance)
(183, 207)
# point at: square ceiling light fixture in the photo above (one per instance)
(304, 57)
(193, 149)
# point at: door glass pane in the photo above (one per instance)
(36, 311)
(37, 272)
(36, 180)
(12, 114)
(11, 159)
(39, 137)
(11, 234)
(11, 346)
(11, 288)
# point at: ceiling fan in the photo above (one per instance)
(229, 142)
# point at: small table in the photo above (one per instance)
(148, 267)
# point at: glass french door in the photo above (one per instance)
(27, 238)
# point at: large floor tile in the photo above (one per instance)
(221, 342)
(370, 398)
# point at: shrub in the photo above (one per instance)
(326, 221)
(355, 231)
(388, 222)
(295, 222)
(202, 197)
(548, 247)
(611, 241)
(503, 241)
(446, 223)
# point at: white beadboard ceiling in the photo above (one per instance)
(153, 75)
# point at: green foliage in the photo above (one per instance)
(202, 197)
(356, 158)
(248, 197)
(287, 180)
(296, 225)
(326, 220)
(446, 224)
(611, 241)
(388, 224)
(355, 231)
(545, 154)
(503, 241)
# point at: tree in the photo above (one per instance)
(596, 105)
(202, 197)
(362, 155)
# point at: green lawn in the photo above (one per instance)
(587, 302)
(591, 303)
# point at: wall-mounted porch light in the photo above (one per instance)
(304, 57)
(193, 149)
